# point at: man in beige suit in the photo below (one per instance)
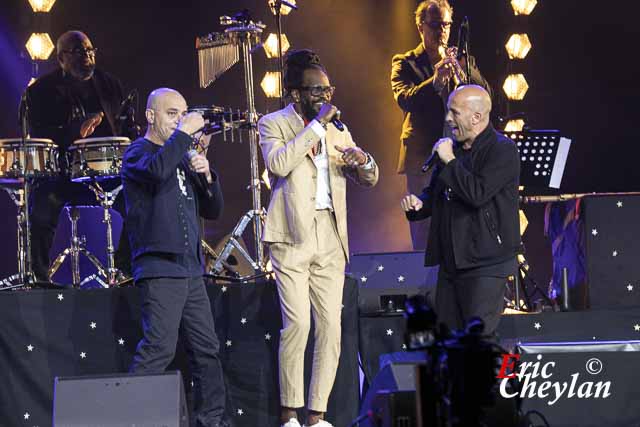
(306, 228)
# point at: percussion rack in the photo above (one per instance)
(216, 53)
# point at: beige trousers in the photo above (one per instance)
(310, 279)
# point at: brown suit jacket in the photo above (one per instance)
(286, 145)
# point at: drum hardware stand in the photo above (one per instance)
(106, 200)
(24, 277)
(76, 248)
(109, 276)
(217, 53)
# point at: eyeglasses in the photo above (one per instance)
(434, 25)
(319, 90)
(91, 51)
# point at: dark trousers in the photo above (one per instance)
(46, 202)
(460, 298)
(181, 306)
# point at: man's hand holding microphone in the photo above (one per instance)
(191, 123)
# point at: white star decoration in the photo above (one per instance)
(228, 343)
(594, 231)
(26, 415)
(619, 204)
(404, 346)
(389, 332)
(121, 341)
(400, 279)
(240, 412)
(92, 325)
(224, 289)
(267, 336)
(83, 355)
(636, 327)
(615, 253)
(60, 297)
(380, 267)
(29, 347)
(629, 287)
(537, 325)
(363, 279)
(243, 320)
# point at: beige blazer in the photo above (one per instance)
(286, 145)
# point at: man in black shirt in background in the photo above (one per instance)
(472, 200)
(73, 102)
(167, 186)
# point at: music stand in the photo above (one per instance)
(543, 157)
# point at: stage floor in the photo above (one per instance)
(49, 333)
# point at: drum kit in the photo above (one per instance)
(95, 162)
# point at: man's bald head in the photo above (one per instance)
(165, 108)
(161, 96)
(469, 109)
(76, 54)
(475, 97)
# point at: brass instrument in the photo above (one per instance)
(459, 76)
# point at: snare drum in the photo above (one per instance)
(31, 158)
(97, 158)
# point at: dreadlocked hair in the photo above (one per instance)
(296, 62)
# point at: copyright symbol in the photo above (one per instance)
(594, 366)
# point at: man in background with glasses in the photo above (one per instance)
(309, 158)
(421, 80)
(74, 101)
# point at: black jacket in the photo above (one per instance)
(485, 228)
(151, 189)
(423, 107)
(56, 114)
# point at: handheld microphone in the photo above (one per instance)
(202, 177)
(336, 122)
(431, 161)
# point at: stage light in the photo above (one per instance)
(32, 80)
(518, 46)
(271, 84)
(41, 5)
(514, 125)
(523, 7)
(39, 46)
(515, 87)
(284, 9)
(524, 222)
(265, 179)
(271, 45)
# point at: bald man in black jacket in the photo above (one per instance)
(472, 201)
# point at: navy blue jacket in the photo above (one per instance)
(485, 228)
(150, 186)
